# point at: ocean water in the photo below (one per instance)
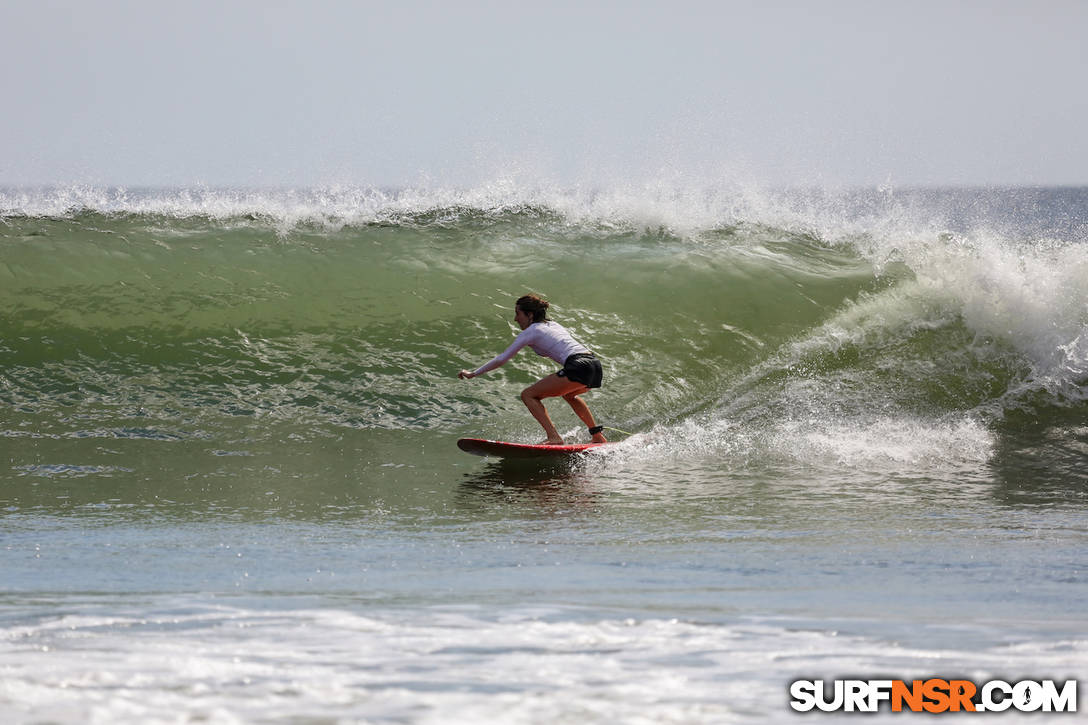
(230, 491)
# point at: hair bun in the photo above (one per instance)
(535, 306)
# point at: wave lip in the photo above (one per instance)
(838, 216)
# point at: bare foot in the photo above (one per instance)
(551, 442)
(599, 438)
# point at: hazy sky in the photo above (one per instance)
(387, 93)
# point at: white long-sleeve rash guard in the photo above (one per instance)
(547, 339)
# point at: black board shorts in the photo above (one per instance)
(584, 368)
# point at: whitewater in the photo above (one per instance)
(854, 434)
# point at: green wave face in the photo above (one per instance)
(194, 305)
(784, 332)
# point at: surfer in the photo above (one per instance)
(581, 368)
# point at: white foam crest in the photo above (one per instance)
(333, 206)
(1028, 296)
(684, 206)
(1031, 296)
(683, 211)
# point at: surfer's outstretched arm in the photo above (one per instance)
(523, 339)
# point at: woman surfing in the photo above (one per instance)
(581, 368)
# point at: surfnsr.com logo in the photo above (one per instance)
(933, 695)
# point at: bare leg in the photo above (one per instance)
(552, 386)
(582, 411)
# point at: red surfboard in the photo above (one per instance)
(505, 449)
